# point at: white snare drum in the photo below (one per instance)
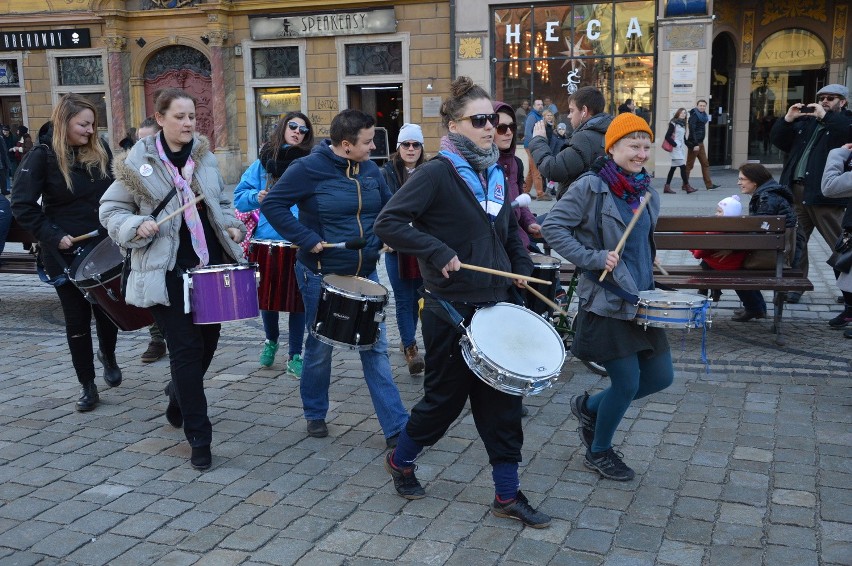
(496, 347)
(672, 309)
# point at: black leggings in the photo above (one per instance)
(78, 313)
(683, 174)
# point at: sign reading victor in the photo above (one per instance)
(323, 24)
(45, 39)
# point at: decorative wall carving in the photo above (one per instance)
(115, 43)
(748, 37)
(470, 48)
(682, 37)
(838, 39)
(795, 9)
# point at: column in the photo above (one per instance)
(217, 39)
(115, 54)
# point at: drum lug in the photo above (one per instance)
(364, 306)
(257, 278)
(226, 279)
(357, 338)
(111, 295)
(379, 316)
(91, 298)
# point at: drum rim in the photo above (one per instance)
(491, 361)
(535, 385)
(552, 263)
(218, 268)
(107, 275)
(273, 243)
(351, 294)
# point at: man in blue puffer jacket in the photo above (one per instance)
(339, 192)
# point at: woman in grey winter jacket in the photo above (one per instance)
(206, 234)
(837, 183)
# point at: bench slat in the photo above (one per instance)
(757, 224)
(666, 241)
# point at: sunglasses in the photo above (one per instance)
(827, 98)
(411, 145)
(297, 126)
(502, 129)
(478, 120)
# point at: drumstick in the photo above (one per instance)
(82, 237)
(661, 268)
(193, 202)
(356, 244)
(627, 231)
(545, 300)
(505, 274)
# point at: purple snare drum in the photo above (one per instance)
(222, 293)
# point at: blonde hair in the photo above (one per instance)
(92, 155)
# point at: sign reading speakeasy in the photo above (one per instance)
(323, 24)
(45, 39)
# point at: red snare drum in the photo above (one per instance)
(278, 290)
(408, 266)
(98, 275)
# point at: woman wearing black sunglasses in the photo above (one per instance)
(454, 209)
(291, 139)
(403, 273)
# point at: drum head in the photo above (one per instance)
(103, 257)
(517, 340)
(659, 297)
(355, 285)
(542, 261)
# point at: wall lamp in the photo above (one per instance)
(141, 42)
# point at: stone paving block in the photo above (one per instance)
(428, 552)
(793, 497)
(474, 557)
(575, 558)
(689, 530)
(193, 520)
(282, 551)
(239, 515)
(382, 547)
(679, 553)
(201, 541)
(527, 551)
(694, 508)
(728, 555)
(103, 549)
(786, 555)
(794, 482)
(67, 512)
(728, 534)
(639, 537)
(587, 540)
(834, 552)
(25, 508)
(599, 519)
(143, 553)
(789, 535)
(308, 528)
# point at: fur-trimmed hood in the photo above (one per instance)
(127, 167)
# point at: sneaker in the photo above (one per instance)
(841, 320)
(520, 509)
(294, 366)
(561, 299)
(713, 187)
(317, 428)
(545, 197)
(155, 351)
(586, 418)
(267, 356)
(404, 480)
(608, 464)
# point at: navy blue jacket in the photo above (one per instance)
(773, 199)
(338, 201)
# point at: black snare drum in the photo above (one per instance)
(350, 311)
(547, 268)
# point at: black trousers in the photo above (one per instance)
(448, 383)
(191, 348)
(78, 313)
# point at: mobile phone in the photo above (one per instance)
(806, 109)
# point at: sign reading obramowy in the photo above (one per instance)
(323, 24)
(45, 39)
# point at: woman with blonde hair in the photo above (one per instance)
(55, 197)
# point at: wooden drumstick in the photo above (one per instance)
(661, 268)
(193, 202)
(506, 274)
(545, 300)
(82, 237)
(627, 231)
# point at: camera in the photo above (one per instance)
(806, 109)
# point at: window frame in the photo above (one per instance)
(57, 90)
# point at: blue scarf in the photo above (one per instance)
(492, 202)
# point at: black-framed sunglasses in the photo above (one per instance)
(503, 128)
(478, 120)
(411, 144)
(297, 126)
(827, 98)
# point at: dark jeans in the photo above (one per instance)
(753, 301)
(448, 383)
(684, 177)
(191, 348)
(78, 313)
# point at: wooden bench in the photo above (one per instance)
(726, 233)
(18, 262)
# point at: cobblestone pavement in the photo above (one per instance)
(743, 462)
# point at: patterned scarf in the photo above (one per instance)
(488, 185)
(480, 159)
(185, 195)
(628, 187)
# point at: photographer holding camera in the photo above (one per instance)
(807, 133)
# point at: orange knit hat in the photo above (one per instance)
(623, 124)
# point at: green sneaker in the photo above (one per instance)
(267, 356)
(294, 366)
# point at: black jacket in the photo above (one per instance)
(773, 199)
(793, 137)
(697, 129)
(435, 216)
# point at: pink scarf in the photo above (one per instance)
(185, 194)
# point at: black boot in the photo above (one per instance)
(89, 397)
(173, 412)
(112, 373)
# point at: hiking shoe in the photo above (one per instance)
(317, 428)
(520, 509)
(267, 356)
(155, 351)
(587, 419)
(841, 320)
(608, 464)
(294, 366)
(404, 480)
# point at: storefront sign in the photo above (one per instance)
(46, 39)
(593, 31)
(323, 24)
(791, 48)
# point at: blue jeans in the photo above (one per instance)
(406, 297)
(631, 377)
(296, 329)
(752, 301)
(316, 368)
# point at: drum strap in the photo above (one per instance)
(125, 266)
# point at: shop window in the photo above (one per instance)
(275, 62)
(374, 59)
(272, 105)
(74, 71)
(9, 74)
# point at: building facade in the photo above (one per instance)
(247, 63)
